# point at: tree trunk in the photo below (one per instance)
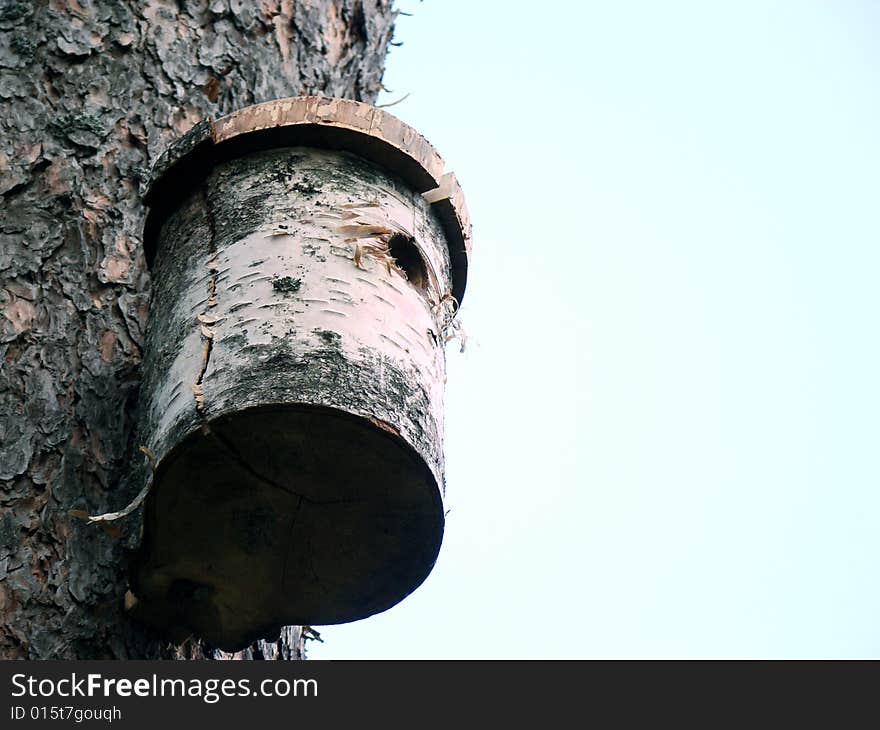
(90, 93)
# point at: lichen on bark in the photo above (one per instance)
(90, 94)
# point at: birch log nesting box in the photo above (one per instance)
(307, 257)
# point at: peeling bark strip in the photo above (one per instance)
(303, 483)
(90, 92)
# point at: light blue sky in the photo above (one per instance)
(663, 439)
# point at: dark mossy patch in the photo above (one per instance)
(286, 284)
(329, 337)
(306, 187)
(276, 358)
(237, 340)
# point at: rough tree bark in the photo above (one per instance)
(90, 92)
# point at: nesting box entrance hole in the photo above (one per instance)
(408, 259)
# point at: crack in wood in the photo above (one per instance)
(287, 545)
(206, 332)
(245, 464)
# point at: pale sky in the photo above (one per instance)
(662, 440)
